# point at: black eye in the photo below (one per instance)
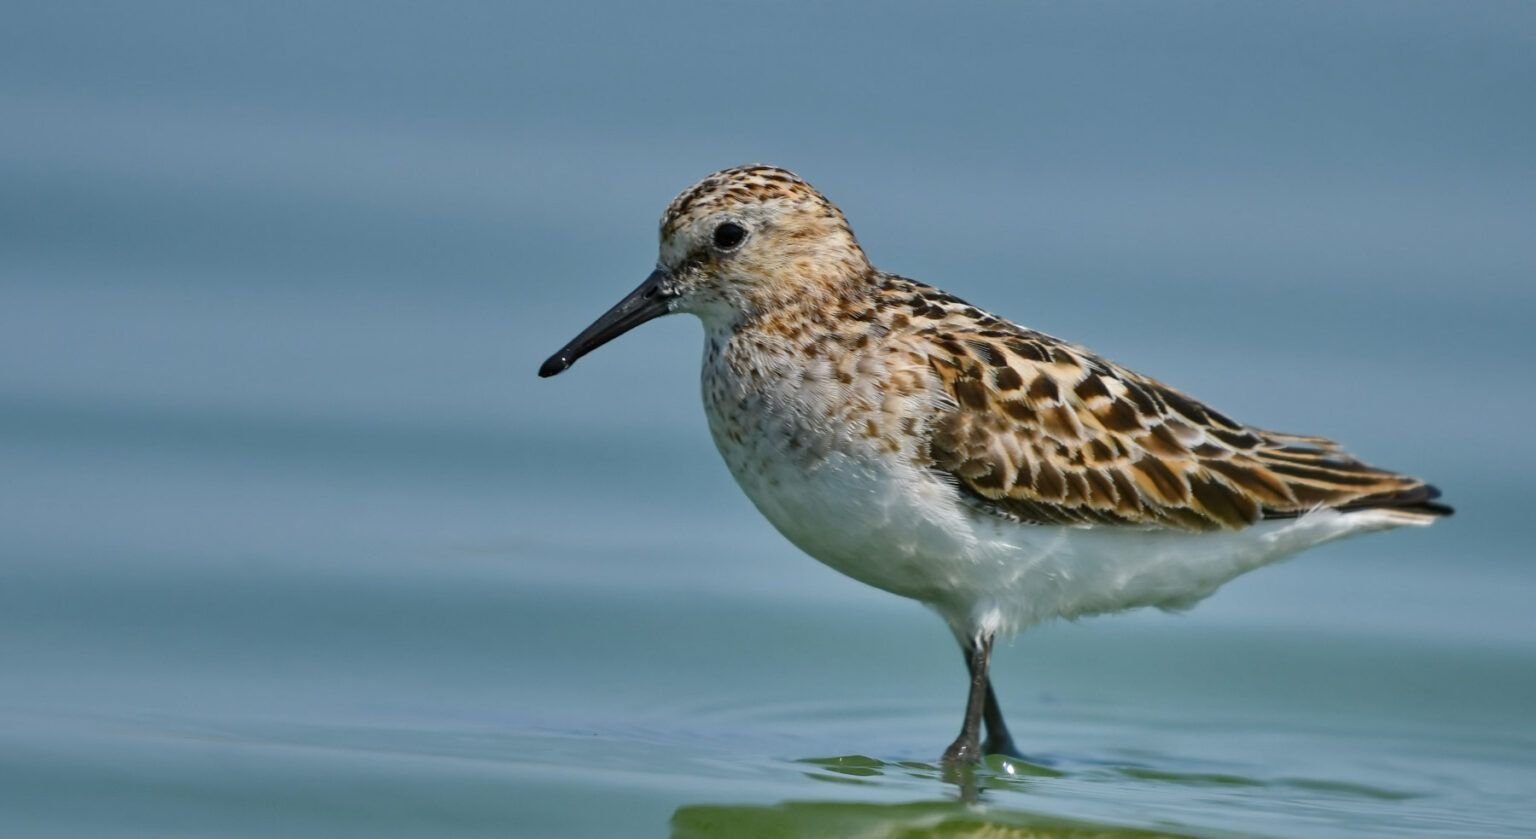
(729, 235)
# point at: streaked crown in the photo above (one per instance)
(755, 237)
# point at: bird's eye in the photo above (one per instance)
(729, 235)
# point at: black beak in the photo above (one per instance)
(647, 302)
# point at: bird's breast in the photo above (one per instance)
(846, 497)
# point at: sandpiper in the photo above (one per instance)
(999, 475)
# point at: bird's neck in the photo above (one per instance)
(792, 344)
(792, 299)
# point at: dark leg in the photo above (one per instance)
(999, 741)
(967, 747)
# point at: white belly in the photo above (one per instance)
(881, 523)
(903, 529)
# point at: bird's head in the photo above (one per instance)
(739, 244)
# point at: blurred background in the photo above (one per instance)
(293, 542)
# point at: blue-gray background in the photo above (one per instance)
(292, 540)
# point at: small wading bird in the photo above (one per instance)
(996, 474)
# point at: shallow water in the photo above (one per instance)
(292, 542)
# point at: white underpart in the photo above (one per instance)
(910, 533)
(891, 524)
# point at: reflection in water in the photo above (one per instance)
(969, 814)
(997, 772)
(911, 819)
(980, 804)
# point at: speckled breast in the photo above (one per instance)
(836, 494)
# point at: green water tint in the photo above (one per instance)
(887, 821)
(1001, 773)
(995, 772)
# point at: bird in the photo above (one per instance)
(996, 474)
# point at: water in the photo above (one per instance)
(292, 542)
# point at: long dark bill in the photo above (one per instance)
(647, 302)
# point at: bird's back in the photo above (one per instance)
(1049, 433)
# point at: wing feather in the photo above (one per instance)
(1042, 431)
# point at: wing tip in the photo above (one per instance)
(1418, 500)
(1429, 506)
(1415, 505)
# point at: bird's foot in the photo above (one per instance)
(963, 752)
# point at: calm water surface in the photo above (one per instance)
(293, 543)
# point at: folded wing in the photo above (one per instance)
(1042, 431)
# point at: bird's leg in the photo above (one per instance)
(967, 747)
(999, 741)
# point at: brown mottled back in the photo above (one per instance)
(1045, 432)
